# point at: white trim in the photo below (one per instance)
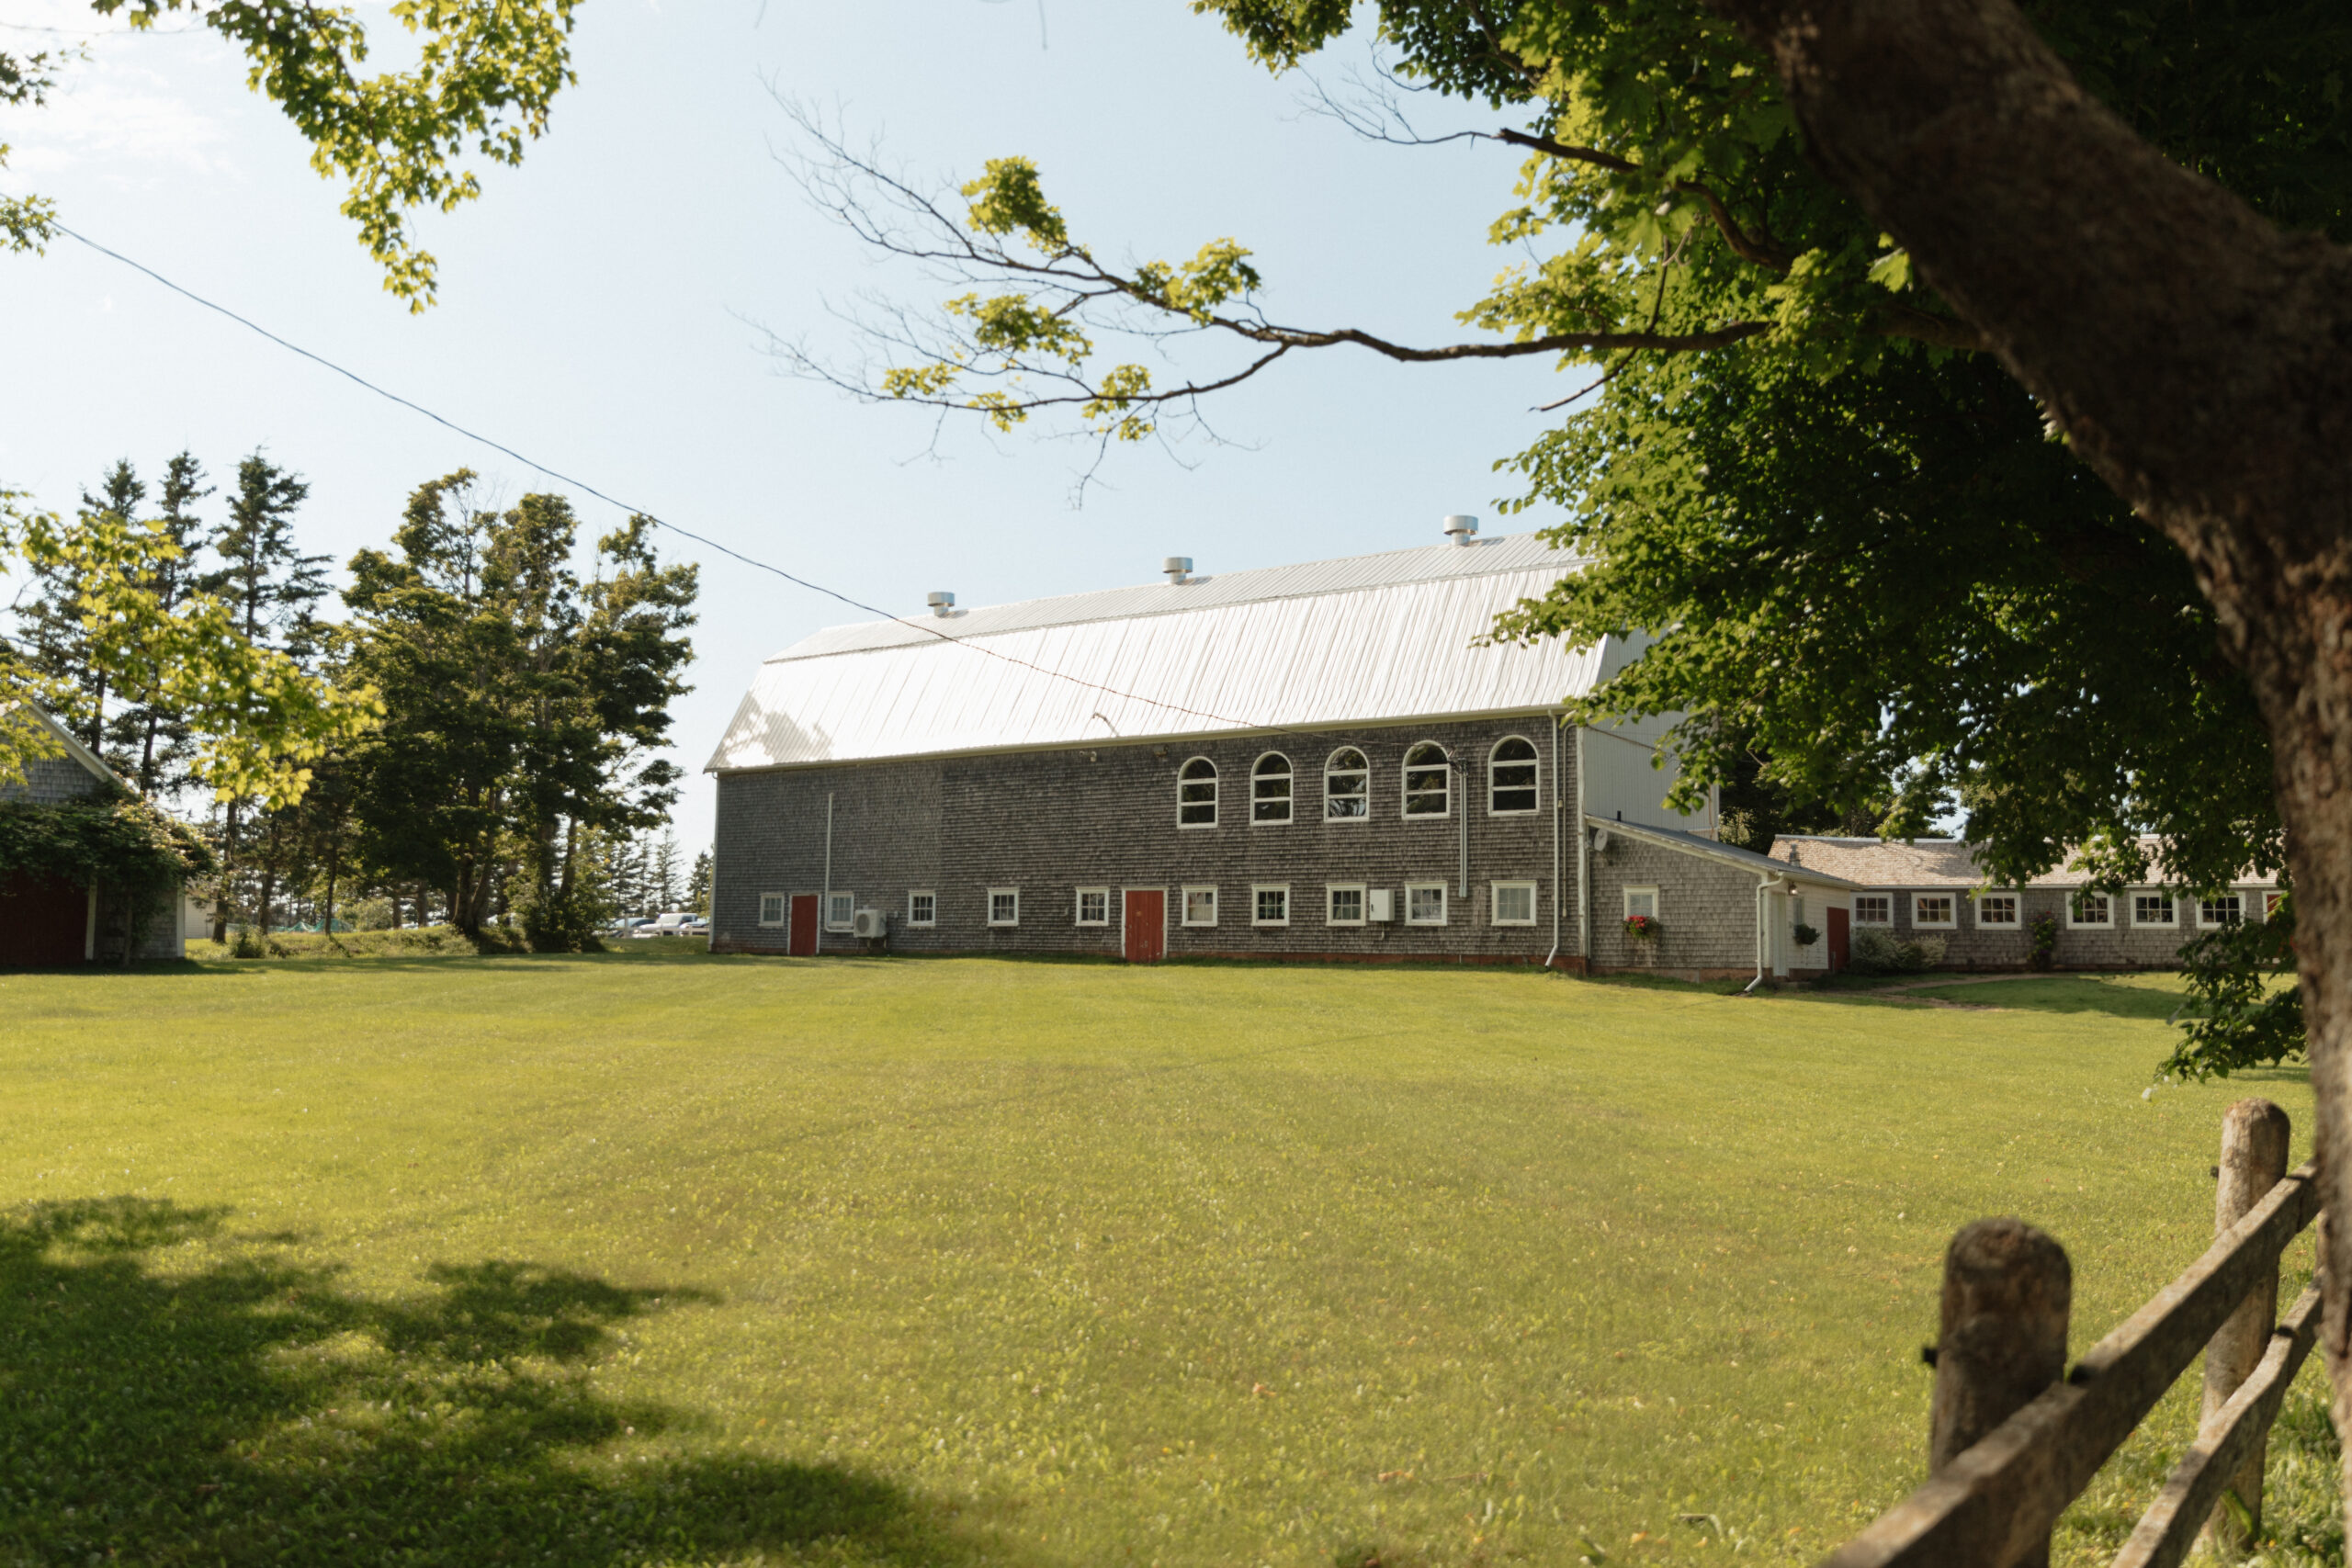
(1364, 772)
(1181, 780)
(1656, 911)
(1405, 771)
(1290, 771)
(1257, 907)
(1184, 906)
(91, 762)
(912, 922)
(1495, 899)
(784, 910)
(2235, 896)
(1951, 920)
(1333, 888)
(1535, 784)
(1413, 887)
(1977, 912)
(2106, 922)
(2172, 908)
(1886, 898)
(996, 893)
(1682, 842)
(1078, 907)
(848, 900)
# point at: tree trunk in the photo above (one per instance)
(228, 874)
(2193, 354)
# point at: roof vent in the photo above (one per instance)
(1462, 530)
(943, 603)
(1178, 568)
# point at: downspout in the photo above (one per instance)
(825, 902)
(1584, 865)
(1550, 957)
(1762, 881)
(90, 929)
(1465, 770)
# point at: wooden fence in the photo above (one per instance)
(2012, 1441)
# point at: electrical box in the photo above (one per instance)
(1379, 904)
(868, 923)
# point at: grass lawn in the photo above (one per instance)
(657, 1258)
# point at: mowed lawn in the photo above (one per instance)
(653, 1258)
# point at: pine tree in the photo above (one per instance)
(49, 629)
(698, 885)
(149, 744)
(664, 877)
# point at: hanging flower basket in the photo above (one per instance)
(1806, 935)
(1644, 928)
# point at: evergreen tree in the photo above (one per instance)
(148, 743)
(698, 885)
(664, 887)
(52, 634)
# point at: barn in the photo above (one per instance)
(88, 873)
(1313, 762)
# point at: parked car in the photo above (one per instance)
(675, 922)
(627, 926)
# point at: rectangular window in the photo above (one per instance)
(2152, 909)
(838, 910)
(1273, 905)
(2095, 909)
(1200, 906)
(1425, 903)
(2222, 909)
(1931, 910)
(1874, 909)
(772, 908)
(1514, 902)
(1996, 908)
(922, 910)
(1641, 901)
(1344, 904)
(2270, 902)
(1004, 905)
(1093, 906)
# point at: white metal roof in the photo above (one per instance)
(1367, 640)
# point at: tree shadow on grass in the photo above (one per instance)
(2060, 993)
(251, 1410)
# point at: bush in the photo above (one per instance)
(1876, 951)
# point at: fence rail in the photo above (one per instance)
(2013, 1443)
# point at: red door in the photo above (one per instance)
(43, 920)
(1841, 942)
(804, 926)
(1145, 925)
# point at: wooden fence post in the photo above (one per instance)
(2007, 1289)
(2253, 1159)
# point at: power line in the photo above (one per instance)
(654, 518)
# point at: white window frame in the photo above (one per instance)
(1409, 767)
(1184, 906)
(1494, 901)
(1978, 899)
(1626, 895)
(1362, 774)
(1079, 908)
(2106, 922)
(1257, 907)
(1290, 802)
(1535, 786)
(1887, 897)
(845, 900)
(1363, 899)
(2204, 924)
(915, 921)
(1180, 802)
(783, 902)
(996, 893)
(1413, 887)
(2172, 906)
(1951, 920)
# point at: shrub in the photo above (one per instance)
(2045, 942)
(1875, 951)
(1926, 953)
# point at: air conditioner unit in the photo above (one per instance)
(869, 923)
(1379, 904)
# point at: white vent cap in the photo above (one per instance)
(1178, 568)
(1461, 530)
(942, 602)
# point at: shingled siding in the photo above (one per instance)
(2122, 945)
(49, 781)
(1707, 910)
(1050, 822)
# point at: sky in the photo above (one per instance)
(606, 308)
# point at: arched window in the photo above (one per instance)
(1196, 794)
(1427, 781)
(1347, 787)
(1511, 777)
(1270, 789)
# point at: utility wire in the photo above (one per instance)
(658, 521)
